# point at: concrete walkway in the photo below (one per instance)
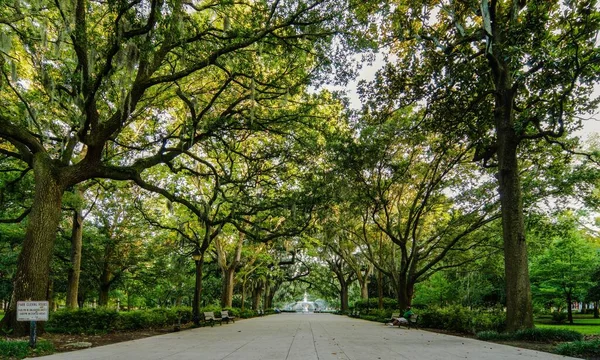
(304, 337)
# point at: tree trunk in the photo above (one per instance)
(519, 311)
(344, 297)
(405, 292)
(243, 306)
(75, 269)
(105, 282)
(569, 305)
(379, 290)
(364, 289)
(596, 312)
(227, 283)
(256, 294)
(33, 264)
(197, 291)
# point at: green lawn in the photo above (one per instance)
(584, 324)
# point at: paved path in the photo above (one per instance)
(304, 337)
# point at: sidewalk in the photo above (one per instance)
(304, 337)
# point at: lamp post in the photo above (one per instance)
(197, 256)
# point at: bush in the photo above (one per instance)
(87, 320)
(247, 313)
(535, 335)
(20, 349)
(101, 320)
(493, 335)
(547, 335)
(559, 317)
(462, 319)
(588, 349)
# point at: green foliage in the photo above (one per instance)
(533, 335)
(101, 320)
(461, 319)
(559, 317)
(247, 313)
(21, 349)
(587, 349)
(86, 320)
(388, 303)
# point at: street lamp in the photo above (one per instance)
(197, 256)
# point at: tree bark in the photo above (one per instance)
(344, 297)
(569, 310)
(379, 290)
(519, 311)
(75, 269)
(227, 287)
(256, 295)
(33, 264)
(197, 291)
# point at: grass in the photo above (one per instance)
(583, 324)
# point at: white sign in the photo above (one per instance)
(32, 311)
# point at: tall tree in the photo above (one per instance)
(108, 90)
(418, 192)
(507, 75)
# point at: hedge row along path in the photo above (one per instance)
(304, 337)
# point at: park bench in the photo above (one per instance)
(209, 316)
(226, 317)
(413, 321)
(394, 316)
(260, 312)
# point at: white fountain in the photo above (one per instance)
(303, 306)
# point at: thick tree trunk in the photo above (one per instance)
(364, 290)
(75, 269)
(105, 282)
(227, 283)
(596, 312)
(344, 297)
(33, 264)
(519, 312)
(197, 291)
(405, 292)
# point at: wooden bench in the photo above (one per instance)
(394, 317)
(226, 317)
(209, 316)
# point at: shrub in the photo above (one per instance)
(101, 320)
(588, 349)
(247, 313)
(87, 320)
(233, 311)
(559, 317)
(547, 335)
(493, 335)
(535, 335)
(461, 319)
(20, 349)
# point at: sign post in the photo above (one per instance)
(32, 311)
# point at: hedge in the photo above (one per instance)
(588, 349)
(102, 320)
(534, 335)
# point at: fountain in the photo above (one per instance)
(303, 306)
